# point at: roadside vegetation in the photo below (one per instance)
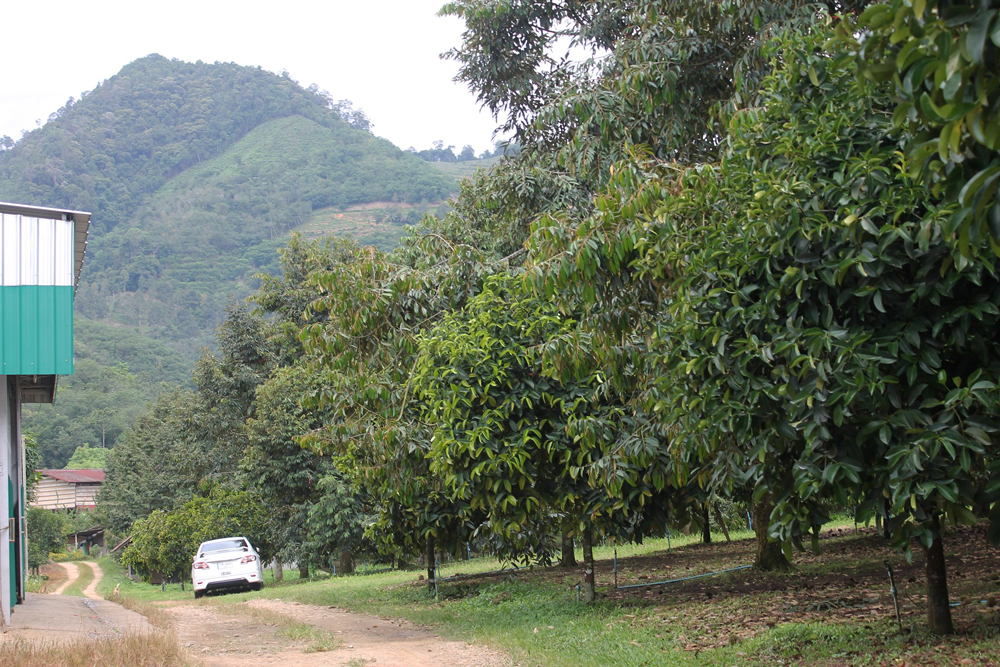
(128, 650)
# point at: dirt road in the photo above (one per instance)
(73, 573)
(258, 633)
(275, 632)
(91, 590)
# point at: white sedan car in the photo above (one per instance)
(227, 563)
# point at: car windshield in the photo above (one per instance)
(223, 545)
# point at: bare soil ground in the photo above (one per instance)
(54, 577)
(258, 633)
(91, 590)
(846, 582)
(71, 574)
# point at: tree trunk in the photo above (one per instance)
(568, 558)
(346, 561)
(938, 608)
(303, 569)
(279, 572)
(589, 594)
(770, 557)
(878, 523)
(722, 523)
(706, 527)
(429, 556)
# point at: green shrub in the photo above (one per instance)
(66, 556)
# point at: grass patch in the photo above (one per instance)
(462, 170)
(36, 583)
(126, 650)
(359, 662)
(833, 609)
(86, 576)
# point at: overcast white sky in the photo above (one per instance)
(381, 54)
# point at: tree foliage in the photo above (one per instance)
(166, 542)
(942, 58)
(45, 530)
(86, 457)
(154, 466)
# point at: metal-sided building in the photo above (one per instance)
(41, 253)
(68, 489)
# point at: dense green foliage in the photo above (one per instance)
(88, 458)
(942, 58)
(47, 528)
(236, 431)
(153, 466)
(93, 407)
(165, 542)
(121, 142)
(202, 237)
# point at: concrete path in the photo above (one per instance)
(66, 617)
(72, 574)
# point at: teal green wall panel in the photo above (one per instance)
(36, 334)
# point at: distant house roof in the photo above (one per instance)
(76, 476)
(125, 542)
(87, 534)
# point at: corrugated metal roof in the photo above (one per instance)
(125, 542)
(81, 224)
(76, 476)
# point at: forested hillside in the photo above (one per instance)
(116, 146)
(195, 174)
(201, 238)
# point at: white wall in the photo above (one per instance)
(35, 251)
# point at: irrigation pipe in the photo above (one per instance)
(675, 581)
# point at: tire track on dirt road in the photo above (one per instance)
(72, 574)
(91, 590)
